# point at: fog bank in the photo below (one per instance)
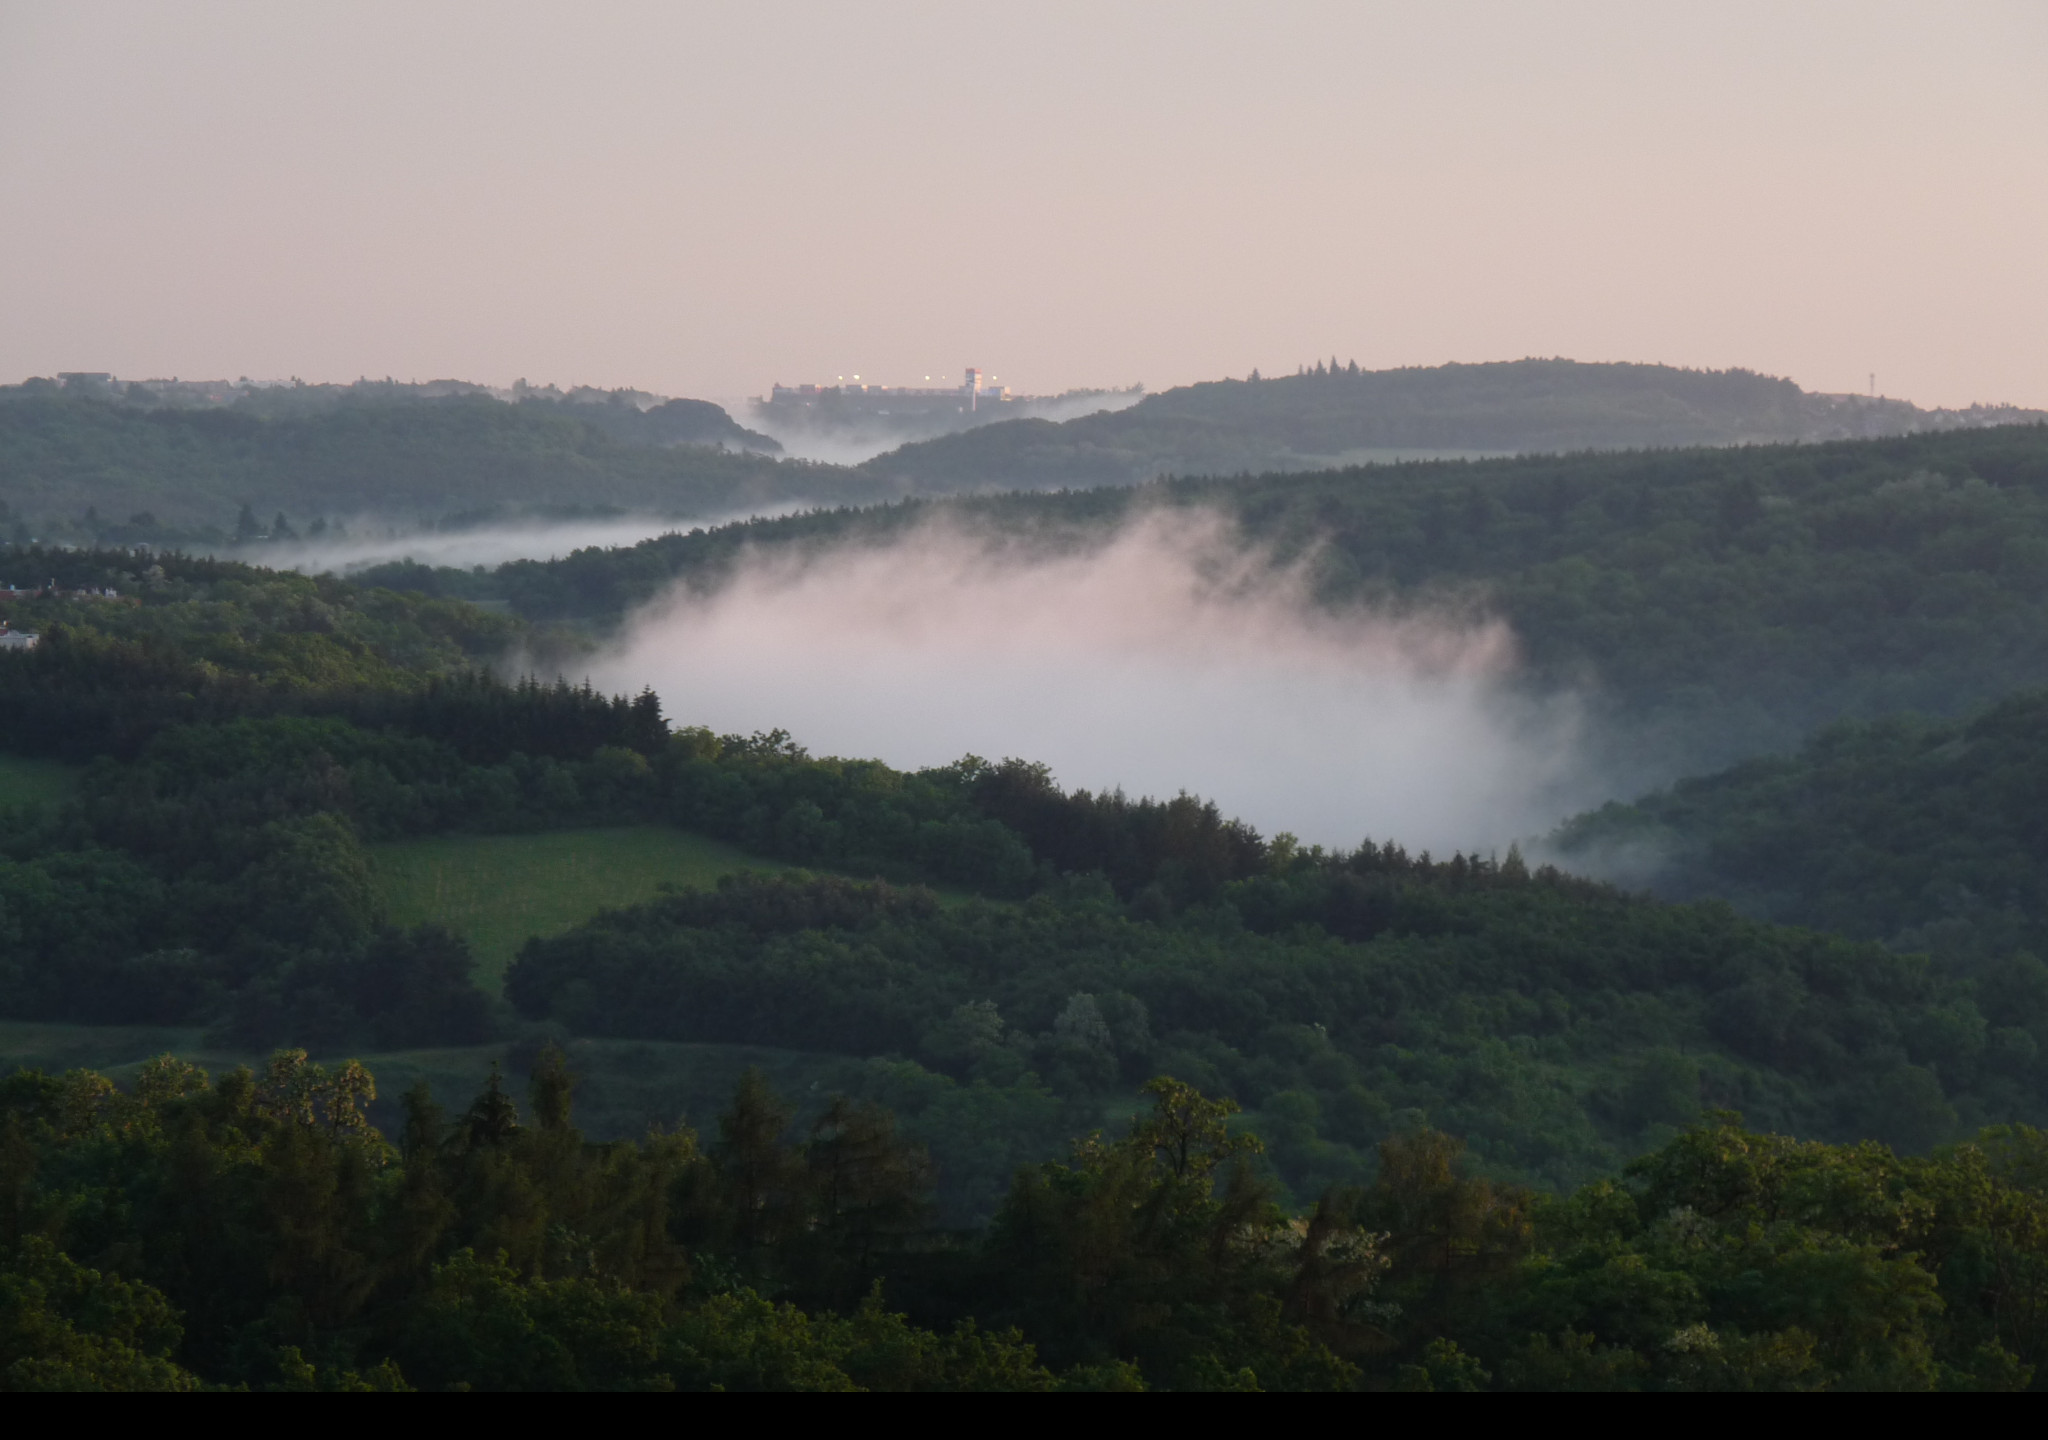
(1168, 658)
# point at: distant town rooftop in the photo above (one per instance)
(973, 392)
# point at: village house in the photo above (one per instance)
(54, 591)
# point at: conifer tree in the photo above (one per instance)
(762, 1176)
(492, 1118)
(552, 1089)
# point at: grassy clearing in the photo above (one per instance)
(24, 781)
(498, 890)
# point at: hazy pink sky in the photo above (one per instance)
(702, 199)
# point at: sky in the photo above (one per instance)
(704, 199)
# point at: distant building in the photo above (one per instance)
(17, 639)
(54, 591)
(966, 398)
(94, 384)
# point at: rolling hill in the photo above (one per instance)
(1335, 416)
(80, 470)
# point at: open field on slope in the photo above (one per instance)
(498, 890)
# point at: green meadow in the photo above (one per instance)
(500, 890)
(24, 781)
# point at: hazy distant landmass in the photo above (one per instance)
(1339, 415)
(90, 459)
(635, 417)
(178, 463)
(850, 423)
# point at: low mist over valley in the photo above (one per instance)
(1159, 651)
(469, 542)
(1702, 605)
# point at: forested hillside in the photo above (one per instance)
(1335, 414)
(1925, 834)
(257, 731)
(84, 470)
(1710, 604)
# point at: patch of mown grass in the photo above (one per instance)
(24, 781)
(499, 890)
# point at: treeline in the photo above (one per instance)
(262, 1235)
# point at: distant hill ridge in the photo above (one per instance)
(78, 470)
(632, 417)
(1336, 415)
(94, 460)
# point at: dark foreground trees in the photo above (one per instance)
(256, 1231)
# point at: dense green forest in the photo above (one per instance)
(1926, 834)
(1709, 604)
(253, 1230)
(210, 869)
(1334, 414)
